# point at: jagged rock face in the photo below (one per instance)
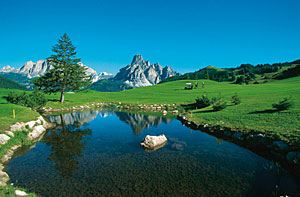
(105, 75)
(31, 70)
(141, 73)
(90, 71)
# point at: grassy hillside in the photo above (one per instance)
(18, 78)
(9, 84)
(260, 73)
(252, 114)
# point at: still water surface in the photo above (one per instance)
(97, 153)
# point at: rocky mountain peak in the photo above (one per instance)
(137, 59)
(141, 73)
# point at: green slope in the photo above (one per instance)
(18, 78)
(9, 84)
(260, 73)
(23, 114)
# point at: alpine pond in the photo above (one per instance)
(98, 153)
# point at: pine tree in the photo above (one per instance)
(67, 74)
(207, 75)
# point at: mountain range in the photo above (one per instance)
(32, 70)
(137, 74)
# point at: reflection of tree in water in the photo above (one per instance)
(66, 146)
(219, 141)
(139, 122)
(277, 171)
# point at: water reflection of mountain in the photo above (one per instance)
(79, 117)
(139, 122)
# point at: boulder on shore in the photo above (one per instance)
(3, 139)
(154, 142)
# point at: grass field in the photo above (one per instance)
(23, 114)
(252, 114)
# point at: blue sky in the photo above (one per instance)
(186, 35)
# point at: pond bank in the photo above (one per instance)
(20, 134)
(270, 148)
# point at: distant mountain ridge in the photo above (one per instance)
(32, 70)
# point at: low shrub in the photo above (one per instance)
(235, 99)
(219, 105)
(213, 100)
(36, 100)
(284, 104)
(202, 102)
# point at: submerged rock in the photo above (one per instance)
(279, 146)
(238, 136)
(293, 157)
(154, 142)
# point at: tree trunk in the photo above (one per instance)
(62, 96)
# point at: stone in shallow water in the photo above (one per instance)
(20, 193)
(153, 142)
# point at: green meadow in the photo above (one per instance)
(22, 114)
(254, 114)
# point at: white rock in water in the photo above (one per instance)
(151, 142)
(20, 193)
(3, 139)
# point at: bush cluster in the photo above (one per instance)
(202, 102)
(35, 100)
(235, 99)
(219, 104)
(284, 104)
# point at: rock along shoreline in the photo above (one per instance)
(34, 130)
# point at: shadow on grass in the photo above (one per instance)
(268, 111)
(189, 106)
(54, 100)
(205, 111)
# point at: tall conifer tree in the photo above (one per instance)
(67, 74)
